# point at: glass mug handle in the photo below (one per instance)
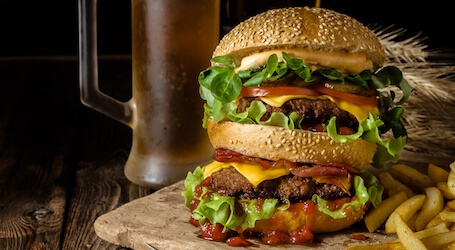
(88, 70)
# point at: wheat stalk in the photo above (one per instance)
(430, 111)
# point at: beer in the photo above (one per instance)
(172, 41)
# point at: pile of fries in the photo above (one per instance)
(420, 209)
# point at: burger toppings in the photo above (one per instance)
(220, 86)
(229, 201)
(317, 111)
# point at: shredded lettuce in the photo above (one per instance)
(373, 194)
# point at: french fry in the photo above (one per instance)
(437, 219)
(390, 184)
(411, 177)
(451, 204)
(407, 238)
(405, 188)
(452, 166)
(451, 246)
(451, 181)
(378, 215)
(391, 245)
(412, 222)
(433, 205)
(448, 216)
(379, 246)
(438, 241)
(440, 228)
(406, 210)
(445, 190)
(437, 174)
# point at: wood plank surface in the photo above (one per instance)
(34, 152)
(61, 164)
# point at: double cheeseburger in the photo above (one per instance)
(295, 111)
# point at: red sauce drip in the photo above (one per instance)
(210, 232)
(276, 236)
(194, 203)
(358, 237)
(238, 242)
(303, 234)
(200, 188)
(194, 221)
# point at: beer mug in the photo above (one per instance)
(172, 41)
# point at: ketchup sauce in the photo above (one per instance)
(301, 235)
(211, 232)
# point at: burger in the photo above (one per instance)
(297, 102)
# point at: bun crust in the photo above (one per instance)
(275, 143)
(298, 27)
(321, 223)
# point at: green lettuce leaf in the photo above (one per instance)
(220, 209)
(375, 190)
(369, 130)
(361, 192)
(192, 180)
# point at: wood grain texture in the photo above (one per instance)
(99, 188)
(34, 152)
(32, 210)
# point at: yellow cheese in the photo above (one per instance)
(346, 63)
(252, 171)
(360, 111)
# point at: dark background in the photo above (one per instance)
(37, 28)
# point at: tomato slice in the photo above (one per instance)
(312, 90)
(277, 91)
(345, 95)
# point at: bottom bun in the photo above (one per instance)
(295, 218)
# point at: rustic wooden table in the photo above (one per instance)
(61, 164)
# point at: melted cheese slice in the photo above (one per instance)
(253, 172)
(360, 111)
(346, 63)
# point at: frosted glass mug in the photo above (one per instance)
(172, 41)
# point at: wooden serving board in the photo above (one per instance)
(162, 220)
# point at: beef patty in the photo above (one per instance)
(312, 111)
(230, 182)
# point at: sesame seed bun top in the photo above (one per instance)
(299, 27)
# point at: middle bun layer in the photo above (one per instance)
(275, 143)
